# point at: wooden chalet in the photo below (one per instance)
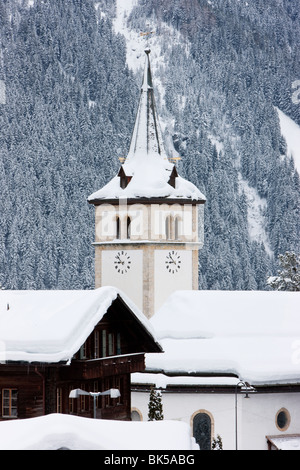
(52, 342)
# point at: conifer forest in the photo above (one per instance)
(67, 107)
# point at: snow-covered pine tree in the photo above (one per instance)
(288, 278)
(217, 443)
(155, 408)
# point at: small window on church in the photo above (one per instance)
(136, 415)
(202, 430)
(283, 419)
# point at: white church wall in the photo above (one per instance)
(256, 416)
(166, 279)
(127, 277)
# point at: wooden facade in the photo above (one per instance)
(113, 351)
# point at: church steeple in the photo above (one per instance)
(147, 172)
(146, 137)
(148, 219)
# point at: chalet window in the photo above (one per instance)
(119, 351)
(111, 382)
(119, 384)
(84, 400)
(104, 349)
(107, 398)
(96, 389)
(9, 403)
(58, 400)
(96, 344)
(71, 402)
(82, 353)
(111, 344)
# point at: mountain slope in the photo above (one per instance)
(236, 62)
(220, 70)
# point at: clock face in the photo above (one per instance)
(173, 262)
(122, 262)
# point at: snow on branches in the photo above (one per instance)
(288, 278)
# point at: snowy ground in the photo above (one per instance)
(256, 219)
(56, 431)
(291, 132)
(135, 43)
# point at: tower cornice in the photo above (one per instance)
(149, 201)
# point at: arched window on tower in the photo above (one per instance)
(177, 228)
(128, 225)
(118, 228)
(168, 227)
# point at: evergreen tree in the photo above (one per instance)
(217, 443)
(288, 278)
(155, 408)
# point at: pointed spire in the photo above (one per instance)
(146, 137)
(147, 171)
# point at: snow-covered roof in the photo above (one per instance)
(149, 180)
(285, 442)
(51, 326)
(147, 164)
(56, 431)
(163, 381)
(252, 334)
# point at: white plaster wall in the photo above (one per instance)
(165, 283)
(256, 415)
(131, 282)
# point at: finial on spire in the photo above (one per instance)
(147, 36)
(146, 138)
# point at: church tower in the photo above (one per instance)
(149, 221)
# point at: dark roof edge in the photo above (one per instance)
(144, 200)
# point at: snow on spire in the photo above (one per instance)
(146, 137)
(147, 171)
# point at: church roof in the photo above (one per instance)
(147, 171)
(253, 335)
(51, 326)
